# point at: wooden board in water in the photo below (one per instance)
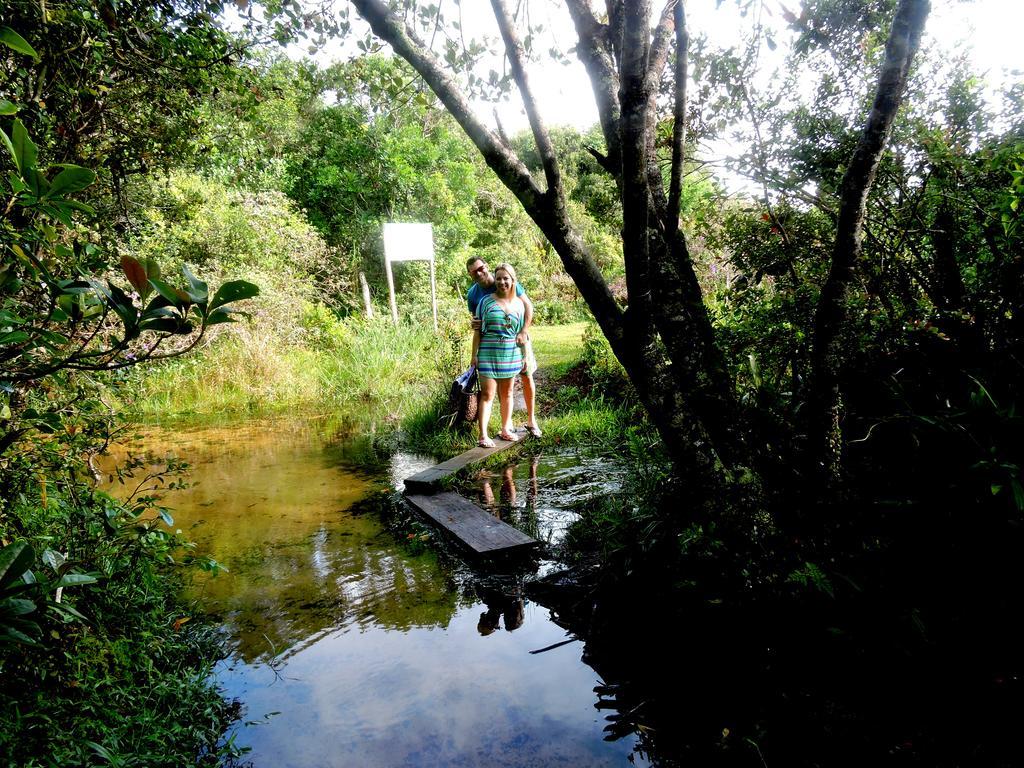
(425, 481)
(473, 526)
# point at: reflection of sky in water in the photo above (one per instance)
(428, 697)
(368, 651)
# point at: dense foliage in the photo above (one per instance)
(143, 145)
(87, 583)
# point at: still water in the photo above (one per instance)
(350, 648)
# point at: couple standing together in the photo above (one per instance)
(502, 314)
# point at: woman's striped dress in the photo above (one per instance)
(499, 357)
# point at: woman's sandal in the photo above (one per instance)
(509, 437)
(534, 430)
(485, 442)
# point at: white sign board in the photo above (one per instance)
(409, 242)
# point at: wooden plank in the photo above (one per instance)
(471, 525)
(427, 480)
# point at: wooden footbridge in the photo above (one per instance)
(472, 526)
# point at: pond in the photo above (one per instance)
(349, 647)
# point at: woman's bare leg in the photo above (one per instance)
(487, 389)
(505, 403)
(529, 397)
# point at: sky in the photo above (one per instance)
(990, 28)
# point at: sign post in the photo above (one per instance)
(409, 242)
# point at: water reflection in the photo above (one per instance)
(271, 500)
(540, 494)
(369, 652)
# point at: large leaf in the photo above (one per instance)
(233, 290)
(75, 579)
(175, 296)
(8, 108)
(14, 337)
(15, 559)
(16, 42)
(198, 291)
(6, 141)
(223, 315)
(73, 178)
(16, 606)
(152, 268)
(160, 324)
(53, 558)
(137, 275)
(118, 301)
(7, 634)
(25, 152)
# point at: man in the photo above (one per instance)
(483, 284)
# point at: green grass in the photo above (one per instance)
(570, 411)
(557, 347)
(370, 369)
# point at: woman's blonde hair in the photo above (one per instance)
(508, 268)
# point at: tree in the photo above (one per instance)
(664, 338)
(114, 87)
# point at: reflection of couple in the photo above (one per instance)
(499, 605)
(502, 314)
(508, 485)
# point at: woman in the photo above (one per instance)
(496, 355)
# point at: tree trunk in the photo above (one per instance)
(831, 319)
(667, 387)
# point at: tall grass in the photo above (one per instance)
(370, 368)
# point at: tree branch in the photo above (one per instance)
(594, 50)
(517, 59)
(832, 313)
(657, 59)
(633, 96)
(500, 158)
(679, 120)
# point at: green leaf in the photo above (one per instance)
(159, 311)
(223, 315)
(166, 516)
(53, 558)
(169, 292)
(15, 559)
(160, 324)
(14, 155)
(14, 337)
(78, 206)
(118, 301)
(73, 178)
(16, 42)
(52, 339)
(67, 612)
(17, 606)
(152, 268)
(25, 152)
(75, 580)
(8, 108)
(198, 291)
(1018, 493)
(233, 290)
(16, 635)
